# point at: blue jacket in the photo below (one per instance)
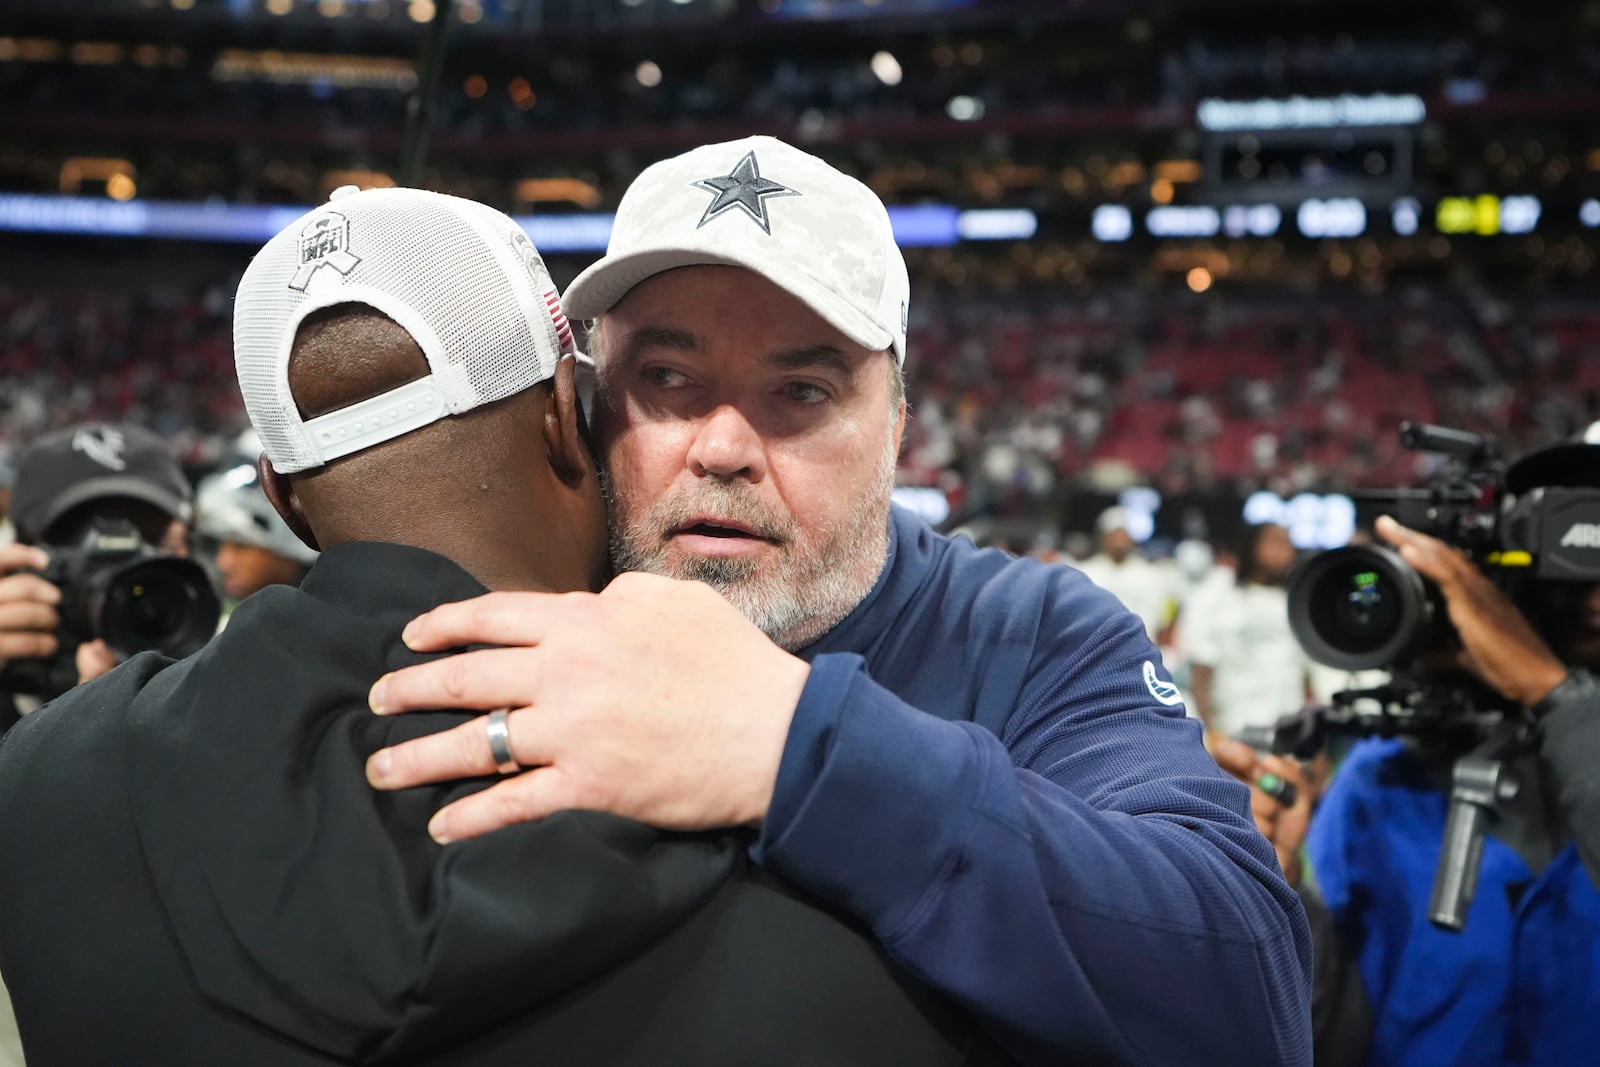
(1520, 984)
(991, 768)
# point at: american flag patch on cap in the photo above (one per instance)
(563, 328)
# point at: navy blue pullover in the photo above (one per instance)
(990, 766)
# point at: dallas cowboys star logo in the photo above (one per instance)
(743, 187)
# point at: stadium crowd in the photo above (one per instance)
(1015, 393)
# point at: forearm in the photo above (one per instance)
(1569, 744)
(1058, 919)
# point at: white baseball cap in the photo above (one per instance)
(462, 279)
(760, 204)
(1113, 518)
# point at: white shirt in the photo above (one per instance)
(1258, 668)
(1146, 589)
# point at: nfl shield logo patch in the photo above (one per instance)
(325, 242)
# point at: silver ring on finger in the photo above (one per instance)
(500, 743)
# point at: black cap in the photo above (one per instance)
(61, 470)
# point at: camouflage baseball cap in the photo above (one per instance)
(768, 207)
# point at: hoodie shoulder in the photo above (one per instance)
(69, 728)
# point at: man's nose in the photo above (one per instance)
(727, 445)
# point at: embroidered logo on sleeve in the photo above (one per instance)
(1164, 692)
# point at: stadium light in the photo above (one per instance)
(1519, 214)
(1312, 521)
(1406, 216)
(1196, 220)
(1257, 220)
(997, 224)
(964, 108)
(915, 225)
(648, 74)
(1111, 223)
(1141, 503)
(1334, 217)
(1488, 215)
(887, 68)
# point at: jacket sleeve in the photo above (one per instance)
(1569, 744)
(1341, 1016)
(1091, 886)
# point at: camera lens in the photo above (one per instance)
(162, 604)
(1357, 608)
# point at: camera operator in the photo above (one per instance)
(1519, 981)
(66, 482)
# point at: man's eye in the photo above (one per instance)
(805, 393)
(663, 377)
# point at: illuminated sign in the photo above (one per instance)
(1312, 521)
(1519, 214)
(996, 224)
(926, 225)
(1406, 216)
(1305, 113)
(1111, 222)
(1487, 215)
(1260, 220)
(1192, 221)
(1335, 217)
(1141, 503)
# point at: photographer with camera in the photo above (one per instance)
(100, 568)
(1514, 976)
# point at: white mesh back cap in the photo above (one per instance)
(462, 279)
(760, 204)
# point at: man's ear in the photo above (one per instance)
(280, 491)
(566, 437)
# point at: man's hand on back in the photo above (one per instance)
(655, 700)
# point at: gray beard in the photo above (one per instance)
(821, 575)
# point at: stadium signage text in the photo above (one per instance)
(1308, 113)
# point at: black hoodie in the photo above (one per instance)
(193, 870)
